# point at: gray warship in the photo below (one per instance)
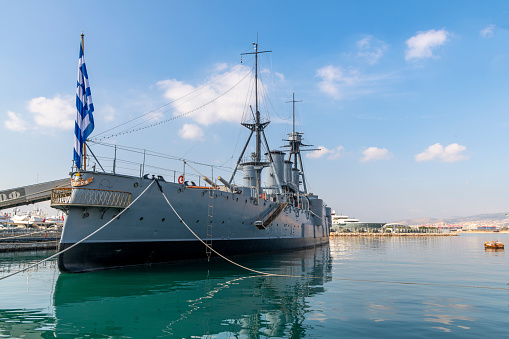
(202, 221)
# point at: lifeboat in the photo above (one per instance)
(493, 244)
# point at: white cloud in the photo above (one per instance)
(375, 153)
(450, 153)
(371, 49)
(339, 83)
(322, 151)
(53, 113)
(15, 122)
(191, 131)
(217, 106)
(281, 76)
(421, 45)
(487, 32)
(334, 78)
(107, 113)
(221, 66)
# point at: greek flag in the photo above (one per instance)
(84, 124)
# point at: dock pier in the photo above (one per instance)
(13, 240)
(411, 234)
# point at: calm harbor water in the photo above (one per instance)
(350, 288)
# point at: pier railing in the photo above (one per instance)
(89, 197)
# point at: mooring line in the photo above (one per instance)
(210, 247)
(314, 277)
(79, 242)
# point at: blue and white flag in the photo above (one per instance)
(84, 124)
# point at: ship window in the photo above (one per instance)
(223, 222)
(197, 221)
(179, 190)
(202, 194)
(163, 219)
(237, 199)
(226, 197)
(246, 201)
(136, 184)
(141, 218)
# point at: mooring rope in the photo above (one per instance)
(315, 277)
(210, 247)
(79, 242)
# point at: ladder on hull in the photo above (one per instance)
(210, 214)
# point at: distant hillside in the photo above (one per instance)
(491, 219)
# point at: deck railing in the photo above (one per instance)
(89, 197)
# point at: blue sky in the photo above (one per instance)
(407, 100)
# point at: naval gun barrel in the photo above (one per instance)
(210, 182)
(230, 187)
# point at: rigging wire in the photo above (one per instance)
(221, 115)
(171, 102)
(155, 154)
(267, 97)
(132, 129)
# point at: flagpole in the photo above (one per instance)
(84, 141)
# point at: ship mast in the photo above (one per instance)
(295, 143)
(257, 128)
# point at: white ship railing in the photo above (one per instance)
(89, 197)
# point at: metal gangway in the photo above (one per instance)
(30, 194)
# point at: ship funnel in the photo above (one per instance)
(249, 175)
(277, 169)
(288, 171)
(296, 177)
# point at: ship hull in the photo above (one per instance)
(98, 256)
(150, 231)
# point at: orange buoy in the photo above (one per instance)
(493, 244)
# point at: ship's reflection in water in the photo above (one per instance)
(194, 299)
(350, 287)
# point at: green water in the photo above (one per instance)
(351, 288)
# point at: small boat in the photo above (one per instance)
(493, 244)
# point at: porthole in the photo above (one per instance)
(202, 194)
(136, 184)
(237, 199)
(246, 201)
(215, 195)
(163, 219)
(226, 197)
(197, 221)
(179, 190)
(223, 222)
(141, 218)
